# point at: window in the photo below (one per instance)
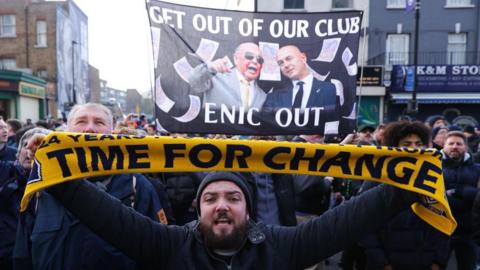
(293, 4)
(459, 3)
(342, 4)
(42, 73)
(41, 34)
(8, 63)
(396, 3)
(7, 26)
(456, 49)
(397, 49)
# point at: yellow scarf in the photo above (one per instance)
(66, 156)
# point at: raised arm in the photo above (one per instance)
(342, 226)
(147, 242)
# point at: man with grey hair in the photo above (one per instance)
(232, 86)
(50, 237)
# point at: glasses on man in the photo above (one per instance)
(250, 56)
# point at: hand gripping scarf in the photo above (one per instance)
(67, 156)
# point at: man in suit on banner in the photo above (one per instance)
(305, 90)
(237, 86)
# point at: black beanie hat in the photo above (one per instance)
(235, 178)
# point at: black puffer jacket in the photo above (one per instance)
(268, 247)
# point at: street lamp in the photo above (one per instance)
(412, 107)
(74, 94)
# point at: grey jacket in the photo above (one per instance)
(222, 88)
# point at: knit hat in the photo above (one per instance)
(434, 118)
(365, 127)
(436, 130)
(454, 128)
(235, 178)
(469, 129)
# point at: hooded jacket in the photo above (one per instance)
(159, 246)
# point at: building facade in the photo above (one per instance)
(47, 39)
(22, 96)
(112, 96)
(444, 45)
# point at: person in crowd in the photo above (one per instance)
(232, 86)
(226, 236)
(51, 237)
(378, 134)
(6, 152)
(365, 133)
(436, 121)
(273, 197)
(439, 135)
(13, 179)
(353, 257)
(42, 124)
(60, 124)
(472, 139)
(461, 176)
(312, 193)
(13, 126)
(151, 129)
(181, 188)
(406, 242)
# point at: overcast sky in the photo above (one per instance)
(119, 38)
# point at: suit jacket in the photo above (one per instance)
(222, 88)
(323, 94)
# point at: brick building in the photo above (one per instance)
(37, 37)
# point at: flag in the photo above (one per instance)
(202, 54)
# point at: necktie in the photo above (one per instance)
(245, 93)
(297, 103)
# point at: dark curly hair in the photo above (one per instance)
(396, 131)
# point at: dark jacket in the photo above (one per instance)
(12, 185)
(8, 153)
(473, 142)
(476, 219)
(284, 193)
(463, 177)
(322, 94)
(312, 194)
(181, 189)
(405, 242)
(268, 247)
(60, 241)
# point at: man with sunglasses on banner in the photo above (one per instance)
(232, 86)
(305, 91)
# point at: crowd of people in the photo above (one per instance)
(221, 220)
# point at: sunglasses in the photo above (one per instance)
(251, 56)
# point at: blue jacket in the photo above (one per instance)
(12, 185)
(60, 241)
(462, 177)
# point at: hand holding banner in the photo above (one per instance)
(68, 156)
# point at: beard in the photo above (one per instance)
(232, 241)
